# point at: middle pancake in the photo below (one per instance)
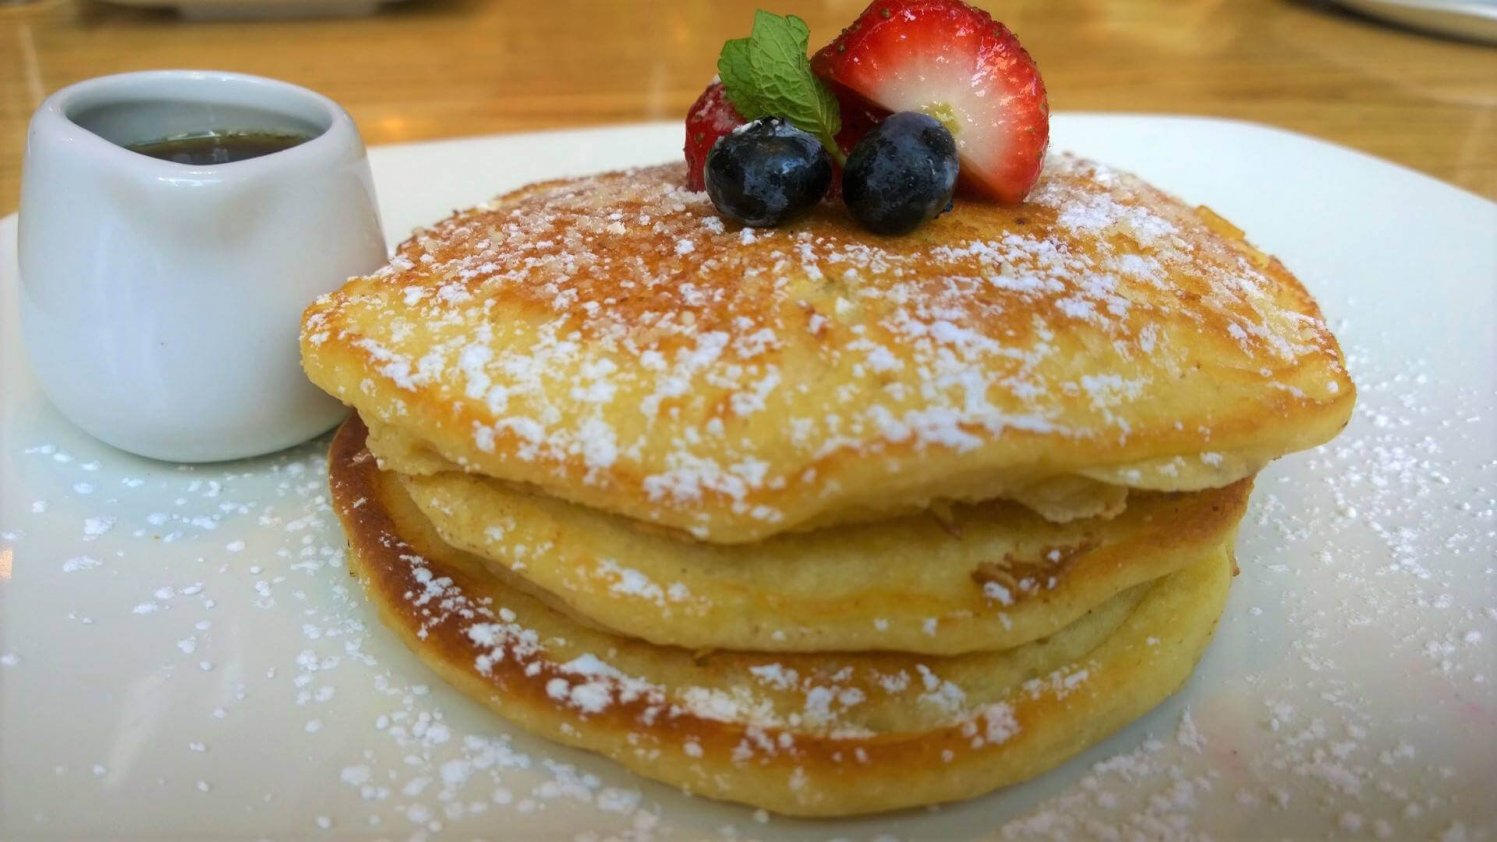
(981, 577)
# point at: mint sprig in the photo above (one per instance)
(768, 74)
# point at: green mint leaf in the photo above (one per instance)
(737, 73)
(768, 74)
(779, 42)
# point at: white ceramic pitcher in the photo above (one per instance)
(160, 301)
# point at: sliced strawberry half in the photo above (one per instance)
(960, 66)
(710, 117)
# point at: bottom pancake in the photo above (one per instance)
(802, 734)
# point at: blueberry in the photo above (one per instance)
(767, 172)
(901, 174)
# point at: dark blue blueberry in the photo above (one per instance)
(901, 174)
(766, 172)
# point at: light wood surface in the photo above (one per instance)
(440, 68)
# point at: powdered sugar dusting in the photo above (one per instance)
(1287, 725)
(1341, 703)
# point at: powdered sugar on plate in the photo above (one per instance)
(216, 615)
(1346, 695)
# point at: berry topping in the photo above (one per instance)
(957, 64)
(767, 172)
(768, 74)
(710, 117)
(901, 174)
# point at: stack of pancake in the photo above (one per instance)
(809, 519)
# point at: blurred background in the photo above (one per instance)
(413, 70)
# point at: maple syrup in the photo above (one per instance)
(211, 148)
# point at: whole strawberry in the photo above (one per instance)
(955, 63)
(710, 117)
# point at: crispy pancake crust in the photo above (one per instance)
(814, 735)
(612, 342)
(981, 577)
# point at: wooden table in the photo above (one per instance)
(439, 68)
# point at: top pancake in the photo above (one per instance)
(611, 341)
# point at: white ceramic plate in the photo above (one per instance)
(183, 654)
(1472, 19)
